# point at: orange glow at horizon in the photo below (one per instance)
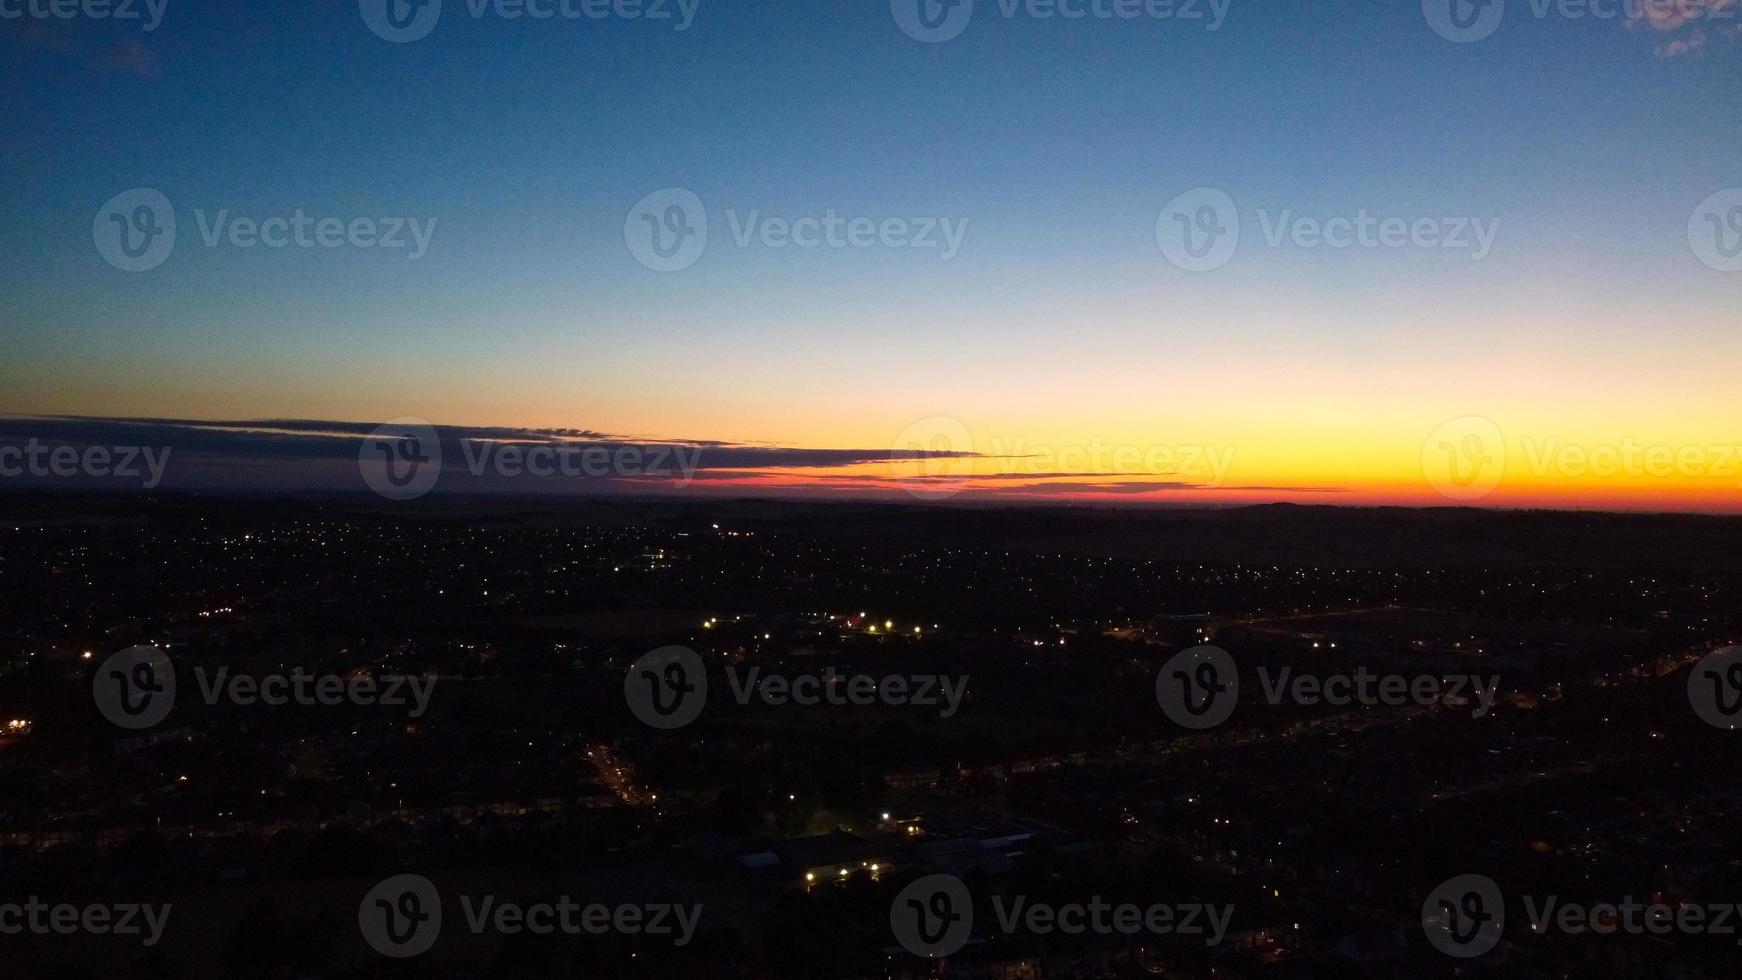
(1711, 482)
(1486, 426)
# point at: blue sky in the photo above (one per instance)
(1057, 142)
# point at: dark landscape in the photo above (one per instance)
(1057, 775)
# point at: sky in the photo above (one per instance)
(1548, 332)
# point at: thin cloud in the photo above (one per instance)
(134, 58)
(317, 455)
(1673, 15)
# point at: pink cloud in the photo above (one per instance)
(1670, 15)
(1681, 46)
